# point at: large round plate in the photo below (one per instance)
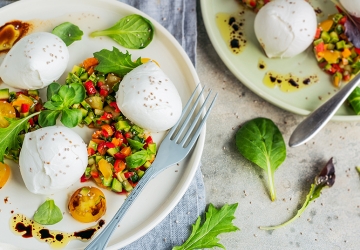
(245, 65)
(163, 192)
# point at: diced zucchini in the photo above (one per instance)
(140, 173)
(334, 38)
(85, 105)
(87, 120)
(93, 78)
(127, 186)
(147, 164)
(325, 37)
(107, 181)
(88, 172)
(33, 92)
(93, 145)
(91, 160)
(113, 151)
(336, 18)
(84, 112)
(122, 125)
(98, 158)
(116, 185)
(84, 76)
(340, 45)
(137, 130)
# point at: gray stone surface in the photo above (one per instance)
(331, 222)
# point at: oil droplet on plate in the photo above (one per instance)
(261, 64)
(231, 27)
(11, 32)
(288, 82)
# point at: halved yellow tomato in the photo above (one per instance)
(4, 174)
(87, 204)
(6, 110)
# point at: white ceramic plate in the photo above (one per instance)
(245, 65)
(163, 192)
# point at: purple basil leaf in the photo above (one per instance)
(352, 30)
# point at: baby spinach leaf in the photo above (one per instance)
(115, 62)
(205, 236)
(326, 178)
(132, 32)
(48, 213)
(9, 136)
(260, 141)
(68, 32)
(71, 117)
(354, 100)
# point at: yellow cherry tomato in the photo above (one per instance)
(4, 174)
(87, 204)
(6, 110)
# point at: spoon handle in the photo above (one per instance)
(315, 121)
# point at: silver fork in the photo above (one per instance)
(172, 150)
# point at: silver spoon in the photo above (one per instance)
(316, 120)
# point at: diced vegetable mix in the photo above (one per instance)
(18, 105)
(335, 54)
(255, 5)
(119, 152)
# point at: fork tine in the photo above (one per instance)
(189, 116)
(183, 112)
(198, 131)
(195, 120)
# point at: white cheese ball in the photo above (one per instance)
(351, 6)
(285, 28)
(35, 61)
(51, 159)
(149, 99)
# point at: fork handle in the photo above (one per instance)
(102, 239)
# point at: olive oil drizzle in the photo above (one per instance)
(288, 82)
(28, 228)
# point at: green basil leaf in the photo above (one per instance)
(48, 117)
(71, 117)
(79, 92)
(52, 89)
(115, 62)
(132, 32)
(48, 213)
(137, 159)
(261, 142)
(68, 32)
(354, 100)
(135, 144)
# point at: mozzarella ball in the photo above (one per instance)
(149, 99)
(35, 61)
(351, 6)
(51, 159)
(285, 28)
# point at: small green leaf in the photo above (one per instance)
(48, 117)
(48, 213)
(79, 92)
(115, 62)
(67, 93)
(132, 32)
(51, 105)
(137, 159)
(52, 89)
(68, 32)
(261, 142)
(135, 144)
(9, 136)
(326, 178)
(71, 117)
(216, 222)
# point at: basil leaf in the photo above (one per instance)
(115, 62)
(48, 117)
(71, 117)
(52, 89)
(137, 159)
(48, 213)
(135, 144)
(326, 178)
(79, 92)
(132, 32)
(68, 32)
(354, 100)
(261, 142)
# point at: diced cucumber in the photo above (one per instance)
(118, 175)
(85, 105)
(84, 76)
(325, 37)
(137, 130)
(340, 45)
(127, 186)
(152, 148)
(140, 173)
(330, 46)
(87, 120)
(122, 125)
(93, 145)
(318, 41)
(334, 37)
(147, 164)
(22, 115)
(77, 70)
(4, 94)
(75, 106)
(107, 181)
(72, 78)
(336, 18)
(112, 151)
(110, 159)
(91, 160)
(95, 102)
(98, 158)
(33, 92)
(93, 78)
(116, 185)
(84, 112)
(88, 172)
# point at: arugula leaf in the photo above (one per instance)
(9, 135)
(71, 117)
(326, 178)
(261, 142)
(68, 32)
(216, 222)
(115, 62)
(132, 32)
(48, 213)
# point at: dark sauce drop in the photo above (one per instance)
(262, 66)
(59, 237)
(20, 227)
(231, 20)
(306, 81)
(45, 234)
(234, 43)
(11, 32)
(272, 79)
(293, 83)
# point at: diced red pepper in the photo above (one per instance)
(95, 174)
(25, 108)
(103, 146)
(252, 3)
(342, 21)
(119, 156)
(104, 92)
(99, 84)
(149, 140)
(127, 175)
(346, 77)
(357, 50)
(39, 107)
(83, 178)
(119, 166)
(90, 151)
(320, 47)
(24, 92)
(90, 88)
(128, 135)
(337, 68)
(106, 116)
(31, 122)
(318, 33)
(115, 106)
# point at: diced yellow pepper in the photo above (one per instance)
(22, 99)
(326, 25)
(105, 168)
(332, 56)
(346, 53)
